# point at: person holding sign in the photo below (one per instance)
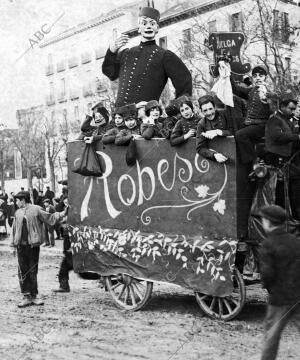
(259, 108)
(143, 70)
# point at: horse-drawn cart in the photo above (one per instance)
(172, 217)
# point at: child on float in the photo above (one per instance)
(95, 124)
(151, 128)
(118, 118)
(186, 126)
(131, 130)
(141, 111)
(168, 123)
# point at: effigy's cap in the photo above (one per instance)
(150, 12)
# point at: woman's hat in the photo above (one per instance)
(152, 104)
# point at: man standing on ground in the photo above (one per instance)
(143, 70)
(280, 272)
(27, 235)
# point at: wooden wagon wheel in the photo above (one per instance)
(127, 292)
(224, 308)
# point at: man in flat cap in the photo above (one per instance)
(27, 236)
(280, 273)
(143, 70)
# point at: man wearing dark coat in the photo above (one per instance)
(282, 140)
(280, 273)
(143, 70)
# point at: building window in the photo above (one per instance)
(63, 87)
(285, 27)
(281, 26)
(187, 42)
(51, 88)
(212, 26)
(235, 22)
(50, 59)
(76, 113)
(163, 42)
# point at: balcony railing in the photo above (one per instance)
(74, 94)
(49, 70)
(61, 97)
(72, 62)
(50, 100)
(86, 58)
(60, 66)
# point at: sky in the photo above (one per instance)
(20, 20)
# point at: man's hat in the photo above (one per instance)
(150, 12)
(23, 195)
(276, 214)
(205, 99)
(46, 201)
(261, 69)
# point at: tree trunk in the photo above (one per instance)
(29, 183)
(52, 174)
(2, 171)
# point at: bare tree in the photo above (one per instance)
(269, 39)
(56, 138)
(28, 139)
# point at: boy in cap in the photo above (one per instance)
(280, 273)
(259, 108)
(143, 70)
(26, 238)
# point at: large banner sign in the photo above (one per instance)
(171, 189)
(171, 217)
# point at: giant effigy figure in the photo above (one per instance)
(143, 70)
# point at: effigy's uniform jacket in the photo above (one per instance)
(182, 127)
(143, 72)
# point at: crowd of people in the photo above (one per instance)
(256, 116)
(262, 118)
